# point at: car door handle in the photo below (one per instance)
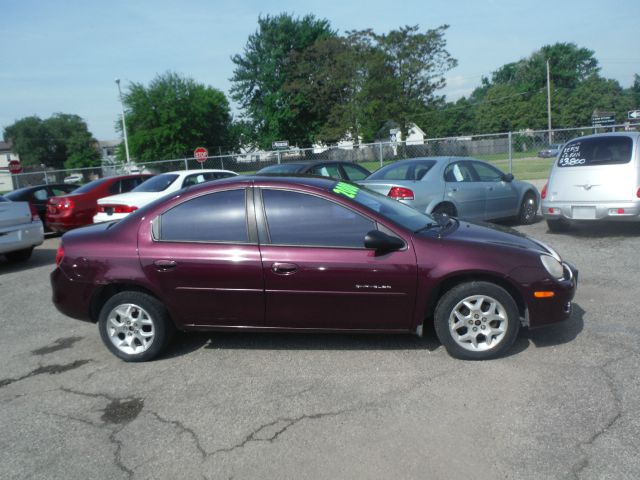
(453, 190)
(164, 265)
(284, 268)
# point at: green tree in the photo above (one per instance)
(263, 69)
(61, 141)
(174, 115)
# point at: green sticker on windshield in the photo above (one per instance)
(345, 189)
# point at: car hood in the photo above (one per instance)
(137, 199)
(489, 233)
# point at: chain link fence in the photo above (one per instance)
(527, 154)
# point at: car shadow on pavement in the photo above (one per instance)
(601, 230)
(185, 343)
(40, 257)
(551, 335)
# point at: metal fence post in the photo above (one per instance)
(46, 178)
(380, 152)
(510, 153)
(186, 165)
(222, 163)
(278, 156)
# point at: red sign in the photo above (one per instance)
(201, 154)
(15, 166)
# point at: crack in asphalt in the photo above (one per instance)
(583, 463)
(47, 369)
(183, 429)
(288, 422)
(59, 344)
(119, 411)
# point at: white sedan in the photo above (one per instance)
(116, 207)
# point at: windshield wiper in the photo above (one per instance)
(426, 227)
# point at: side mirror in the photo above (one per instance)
(381, 242)
(508, 177)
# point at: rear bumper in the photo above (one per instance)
(71, 297)
(21, 237)
(62, 227)
(548, 311)
(609, 211)
(105, 217)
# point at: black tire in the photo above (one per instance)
(557, 226)
(528, 209)
(148, 309)
(445, 209)
(505, 317)
(19, 255)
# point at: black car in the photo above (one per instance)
(39, 194)
(338, 170)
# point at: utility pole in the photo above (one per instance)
(124, 125)
(549, 101)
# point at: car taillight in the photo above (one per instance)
(400, 193)
(34, 213)
(638, 193)
(117, 208)
(66, 204)
(543, 194)
(59, 254)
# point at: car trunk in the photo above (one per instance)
(14, 213)
(606, 183)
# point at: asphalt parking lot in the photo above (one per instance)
(563, 404)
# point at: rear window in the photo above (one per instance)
(596, 151)
(90, 186)
(282, 168)
(403, 171)
(158, 183)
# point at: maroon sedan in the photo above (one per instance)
(305, 255)
(78, 208)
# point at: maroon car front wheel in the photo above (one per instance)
(477, 321)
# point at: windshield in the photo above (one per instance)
(283, 168)
(158, 183)
(394, 210)
(89, 186)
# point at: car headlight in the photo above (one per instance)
(553, 266)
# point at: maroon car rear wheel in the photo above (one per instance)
(135, 326)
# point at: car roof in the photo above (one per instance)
(301, 180)
(633, 135)
(37, 187)
(198, 170)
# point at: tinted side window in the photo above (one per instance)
(217, 217)
(299, 219)
(596, 151)
(355, 173)
(458, 172)
(487, 173)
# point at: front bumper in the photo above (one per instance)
(580, 212)
(548, 311)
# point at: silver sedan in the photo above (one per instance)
(457, 186)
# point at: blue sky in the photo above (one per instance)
(63, 56)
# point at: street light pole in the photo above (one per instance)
(124, 125)
(549, 102)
